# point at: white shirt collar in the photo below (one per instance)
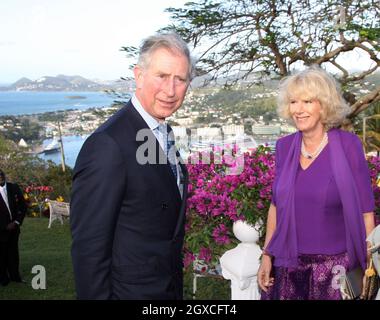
(151, 122)
(3, 193)
(4, 187)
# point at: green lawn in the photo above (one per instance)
(51, 248)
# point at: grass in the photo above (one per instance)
(207, 288)
(50, 248)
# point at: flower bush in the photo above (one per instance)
(374, 170)
(221, 192)
(225, 187)
(35, 197)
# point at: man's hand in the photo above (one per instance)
(12, 226)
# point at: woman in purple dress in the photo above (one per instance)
(322, 205)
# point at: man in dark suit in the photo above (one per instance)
(129, 187)
(12, 213)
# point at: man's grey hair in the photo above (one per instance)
(171, 41)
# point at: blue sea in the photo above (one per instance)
(71, 148)
(28, 102)
(31, 102)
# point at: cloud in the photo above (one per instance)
(7, 43)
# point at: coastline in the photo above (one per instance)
(71, 144)
(72, 122)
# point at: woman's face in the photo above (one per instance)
(306, 114)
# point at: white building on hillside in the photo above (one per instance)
(233, 130)
(179, 132)
(266, 130)
(22, 143)
(208, 132)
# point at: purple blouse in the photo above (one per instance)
(318, 207)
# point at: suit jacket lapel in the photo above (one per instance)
(10, 197)
(182, 212)
(162, 166)
(164, 170)
(3, 206)
(3, 203)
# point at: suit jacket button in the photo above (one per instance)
(165, 206)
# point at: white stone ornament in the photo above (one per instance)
(240, 265)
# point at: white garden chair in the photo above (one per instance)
(58, 210)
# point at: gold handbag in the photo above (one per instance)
(371, 282)
(351, 286)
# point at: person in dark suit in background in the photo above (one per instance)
(12, 213)
(129, 187)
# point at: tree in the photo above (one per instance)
(27, 169)
(237, 38)
(371, 121)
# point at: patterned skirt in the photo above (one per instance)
(315, 278)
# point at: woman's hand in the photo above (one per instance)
(263, 275)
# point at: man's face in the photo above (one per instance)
(2, 178)
(162, 85)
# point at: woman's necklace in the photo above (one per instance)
(315, 154)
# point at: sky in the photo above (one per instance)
(82, 37)
(74, 37)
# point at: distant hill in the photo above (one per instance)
(22, 82)
(65, 83)
(255, 78)
(374, 78)
(77, 83)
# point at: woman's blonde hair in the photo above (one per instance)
(309, 84)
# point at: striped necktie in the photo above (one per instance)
(171, 151)
(169, 143)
